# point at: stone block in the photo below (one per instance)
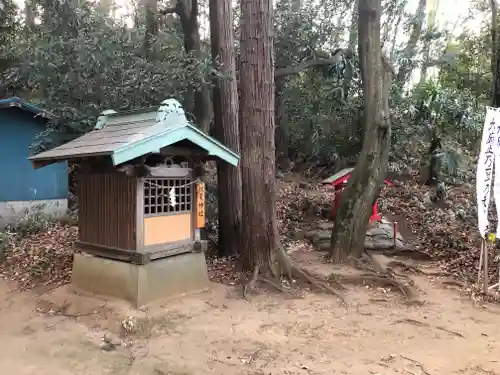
(141, 284)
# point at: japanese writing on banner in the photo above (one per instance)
(485, 167)
(496, 176)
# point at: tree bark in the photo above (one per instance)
(260, 240)
(351, 220)
(226, 126)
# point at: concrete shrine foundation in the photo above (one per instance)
(140, 284)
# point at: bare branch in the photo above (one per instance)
(168, 11)
(296, 69)
(337, 55)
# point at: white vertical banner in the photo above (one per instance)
(485, 167)
(496, 176)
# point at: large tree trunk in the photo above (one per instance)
(352, 219)
(259, 222)
(226, 126)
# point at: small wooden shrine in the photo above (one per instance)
(339, 181)
(141, 206)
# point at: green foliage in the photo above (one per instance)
(8, 28)
(471, 69)
(82, 62)
(32, 222)
(313, 117)
(456, 116)
(86, 62)
(455, 112)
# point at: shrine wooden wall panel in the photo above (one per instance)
(107, 210)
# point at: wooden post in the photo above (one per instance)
(395, 233)
(485, 266)
(481, 252)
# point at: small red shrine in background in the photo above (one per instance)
(339, 181)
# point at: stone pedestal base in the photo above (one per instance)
(140, 284)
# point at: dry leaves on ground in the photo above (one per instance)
(446, 230)
(42, 259)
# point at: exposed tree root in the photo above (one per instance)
(408, 253)
(424, 324)
(454, 283)
(381, 280)
(378, 272)
(424, 371)
(405, 266)
(291, 270)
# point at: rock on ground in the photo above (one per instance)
(379, 237)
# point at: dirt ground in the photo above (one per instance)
(217, 332)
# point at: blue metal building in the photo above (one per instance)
(22, 188)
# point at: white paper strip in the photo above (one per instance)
(485, 166)
(172, 197)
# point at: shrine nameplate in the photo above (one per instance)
(200, 205)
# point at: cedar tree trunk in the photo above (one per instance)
(226, 126)
(351, 221)
(259, 222)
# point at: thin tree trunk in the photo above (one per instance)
(197, 102)
(48, 9)
(226, 126)
(281, 138)
(392, 54)
(29, 11)
(495, 58)
(427, 43)
(281, 134)
(408, 65)
(353, 38)
(148, 14)
(434, 148)
(351, 221)
(260, 233)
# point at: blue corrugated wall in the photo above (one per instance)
(18, 180)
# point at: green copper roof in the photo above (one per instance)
(133, 134)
